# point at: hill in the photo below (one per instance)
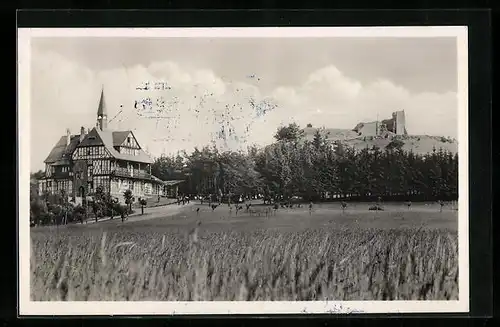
(420, 144)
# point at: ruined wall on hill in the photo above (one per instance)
(400, 122)
(367, 129)
(396, 125)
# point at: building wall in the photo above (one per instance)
(53, 186)
(172, 191)
(80, 177)
(140, 189)
(400, 122)
(64, 184)
(369, 129)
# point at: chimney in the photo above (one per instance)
(68, 136)
(82, 133)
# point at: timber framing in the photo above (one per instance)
(113, 160)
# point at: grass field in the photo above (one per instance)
(396, 254)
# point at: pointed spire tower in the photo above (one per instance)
(102, 113)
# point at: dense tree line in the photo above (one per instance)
(316, 170)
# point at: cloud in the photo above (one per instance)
(328, 98)
(201, 108)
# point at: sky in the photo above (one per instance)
(234, 92)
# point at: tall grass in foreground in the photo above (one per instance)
(263, 265)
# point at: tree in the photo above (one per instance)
(317, 140)
(79, 213)
(37, 175)
(238, 174)
(292, 133)
(38, 208)
(313, 168)
(143, 203)
(129, 199)
(67, 207)
(395, 144)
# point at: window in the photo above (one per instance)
(128, 140)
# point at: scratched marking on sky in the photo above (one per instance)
(227, 116)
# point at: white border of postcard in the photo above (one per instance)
(28, 307)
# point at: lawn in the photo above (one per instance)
(396, 254)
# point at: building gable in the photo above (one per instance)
(130, 141)
(92, 139)
(108, 140)
(119, 137)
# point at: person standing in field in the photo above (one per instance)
(344, 206)
(310, 208)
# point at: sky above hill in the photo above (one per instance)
(235, 92)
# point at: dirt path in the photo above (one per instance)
(159, 212)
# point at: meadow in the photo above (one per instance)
(397, 254)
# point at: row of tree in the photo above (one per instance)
(316, 170)
(57, 209)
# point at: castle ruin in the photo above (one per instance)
(396, 126)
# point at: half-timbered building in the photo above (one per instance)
(112, 160)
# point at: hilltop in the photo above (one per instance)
(420, 144)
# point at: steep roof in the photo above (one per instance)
(109, 140)
(61, 151)
(119, 137)
(101, 110)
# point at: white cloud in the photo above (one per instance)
(65, 95)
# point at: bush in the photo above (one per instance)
(47, 218)
(119, 209)
(395, 144)
(37, 209)
(78, 213)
